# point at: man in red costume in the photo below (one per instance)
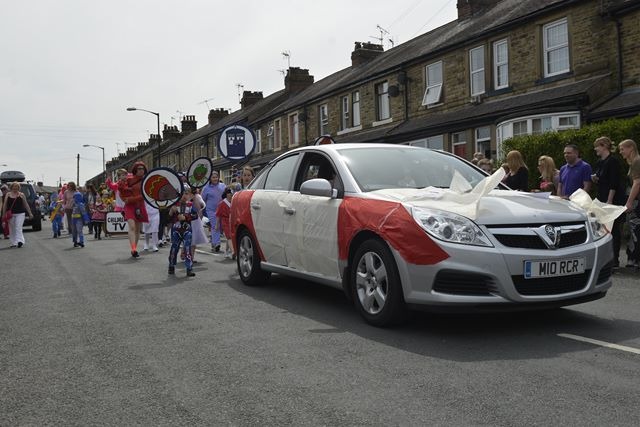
(134, 210)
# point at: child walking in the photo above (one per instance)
(222, 214)
(98, 217)
(79, 218)
(181, 215)
(56, 215)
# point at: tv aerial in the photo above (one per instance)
(206, 102)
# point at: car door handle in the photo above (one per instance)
(289, 211)
(255, 206)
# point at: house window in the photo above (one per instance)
(483, 141)
(459, 144)
(568, 122)
(277, 135)
(294, 134)
(344, 112)
(258, 141)
(520, 128)
(556, 48)
(500, 64)
(382, 101)
(433, 93)
(323, 116)
(355, 108)
(541, 125)
(270, 137)
(476, 62)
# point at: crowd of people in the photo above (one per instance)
(184, 224)
(182, 227)
(606, 175)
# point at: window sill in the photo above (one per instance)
(435, 105)
(349, 130)
(554, 78)
(382, 122)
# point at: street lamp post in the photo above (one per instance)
(104, 165)
(159, 137)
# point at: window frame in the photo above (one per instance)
(344, 112)
(355, 112)
(277, 134)
(481, 71)
(497, 64)
(323, 119)
(294, 130)
(546, 49)
(436, 87)
(258, 141)
(383, 101)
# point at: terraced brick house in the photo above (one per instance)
(503, 68)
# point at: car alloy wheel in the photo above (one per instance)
(248, 261)
(376, 286)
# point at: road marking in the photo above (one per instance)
(601, 343)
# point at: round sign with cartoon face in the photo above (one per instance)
(236, 142)
(199, 172)
(162, 188)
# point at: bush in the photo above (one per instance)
(552, 143)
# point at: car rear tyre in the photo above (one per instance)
(375, 285)
(248, 261)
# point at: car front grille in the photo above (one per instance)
(525, 237)
(551, 285)
(462, 283)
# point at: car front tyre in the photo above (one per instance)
(375, 285)
(248, 261)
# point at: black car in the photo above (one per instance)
(29, 191)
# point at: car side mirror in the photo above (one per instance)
(318, 187)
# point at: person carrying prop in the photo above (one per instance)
(135, 212)
(79, 218)
(181, 215)
(222, 223)
(56, 215)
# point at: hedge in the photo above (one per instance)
(552, 144)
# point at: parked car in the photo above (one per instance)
(29, 191)
(382, 222)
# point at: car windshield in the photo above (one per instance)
(381, 168)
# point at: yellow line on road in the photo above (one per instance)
(601, 343)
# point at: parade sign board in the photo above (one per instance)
(162, 188)
(236, 142)
(116, 223)
(199, 173)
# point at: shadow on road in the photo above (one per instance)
(460, 337)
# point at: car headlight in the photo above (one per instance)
(597, 228)
(450, 227)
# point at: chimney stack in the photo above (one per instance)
(365, 52)
(169, 134)
(250, 98)
(217, 114)
(468, 8)
(189, 125)
(297, 79)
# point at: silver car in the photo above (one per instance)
(399, 227)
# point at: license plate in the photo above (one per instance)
(553, 268)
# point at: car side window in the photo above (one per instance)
(280, 175)
(315, 165)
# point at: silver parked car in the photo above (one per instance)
(397, 227)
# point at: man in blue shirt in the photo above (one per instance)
(575, 174)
